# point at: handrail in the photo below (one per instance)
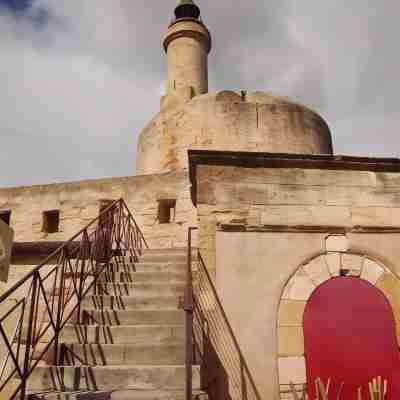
(48, 297)
(188, 307)
(209, 334)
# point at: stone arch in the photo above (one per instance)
(336, 261)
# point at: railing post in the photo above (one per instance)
(59, 306)
(30, 334)
(188, 307)
(115, 227)
(243, 378)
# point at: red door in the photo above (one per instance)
(349, 335)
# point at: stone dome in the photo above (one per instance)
(230, 121)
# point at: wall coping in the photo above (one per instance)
(332, 230)
(283, 160)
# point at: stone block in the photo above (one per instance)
(291, 313)
(375, 216)
(292, 370)
(333, 261)
(293, 215)
(317, 270)
(294, 195)
(337, 243)
(353, 263)
(388, 179)
(371, 271)
(290, 341)
(299, 287)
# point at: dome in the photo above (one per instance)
(230, 121)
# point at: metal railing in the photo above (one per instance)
(35, 310)
(210, 340)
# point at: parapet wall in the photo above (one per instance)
(78, 203)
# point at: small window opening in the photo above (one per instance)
(5, 216)
(104, 204)
(51, 221)
(166, 211)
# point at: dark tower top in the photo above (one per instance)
(187, 9)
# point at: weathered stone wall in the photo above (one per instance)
(6, 239)
(257, 197)
(79, 203)
(258, 226)
(226, 120)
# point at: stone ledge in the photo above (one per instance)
(335, 230)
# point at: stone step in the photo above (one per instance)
(152, 302)
(111, 377)
(143, 277)
(123, 354)
(167, 250)
(139, 289)
(163, 257)
(148, 267)
(146, 335)
(132, 317)
(120, 395)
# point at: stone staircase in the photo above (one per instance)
(129, 343)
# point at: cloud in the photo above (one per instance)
(79, 79)
(69, 110)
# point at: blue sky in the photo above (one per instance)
(77, 90)
(15, 4)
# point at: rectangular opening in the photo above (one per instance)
(5, 216)
(51, 221)
(104, 204)
(166, 211)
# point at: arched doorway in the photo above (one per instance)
(350, 336)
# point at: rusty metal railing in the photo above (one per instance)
(210, 340)
(35, 310)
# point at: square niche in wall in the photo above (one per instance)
(103, 205)
(5, 216)
(51, 221)
(166, 211)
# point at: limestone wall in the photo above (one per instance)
(79, 203)
(6, 239)
(258, 226)
(257, 197)
(227, 120)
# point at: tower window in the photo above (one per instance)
(166, 211)
(5, 216)
(51, 221)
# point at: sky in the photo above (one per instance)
(79, 79)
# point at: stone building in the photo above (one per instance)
(281, 220)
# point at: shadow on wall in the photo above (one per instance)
(6, 239)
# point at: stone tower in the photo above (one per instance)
(187, 44)
(192, 118)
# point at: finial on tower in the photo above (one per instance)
(187, 9)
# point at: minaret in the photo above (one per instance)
(187, 44)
